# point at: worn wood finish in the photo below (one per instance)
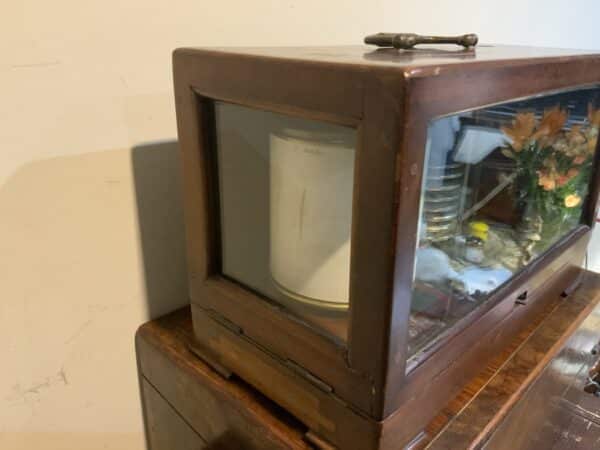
(421, 398)
(433, 91)
(470, 418)
(316, 406)
(224, 413)
(185, 400)
(165, 428)
(390, 97)
(202, 76)
(555, 412)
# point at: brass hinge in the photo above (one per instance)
(311, 378)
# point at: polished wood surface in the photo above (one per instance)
(477, 345)
(165, 428)
(225, 414)
(390, 97)
(198, 81)
(556, 412)
(185, 398)
(295, 393)
(437, 55)
(469, 419)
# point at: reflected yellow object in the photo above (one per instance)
(479, 229)
(572, 200)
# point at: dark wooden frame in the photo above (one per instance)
(358, 390)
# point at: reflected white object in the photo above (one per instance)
(484, 280)
(441, 138)
(476, 142)
(311, 181)
(433, 265)
(474, 252)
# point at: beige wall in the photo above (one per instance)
(90, 224)
(550, 23)
(89, 195)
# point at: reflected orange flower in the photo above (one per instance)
(579, 160)
(561, 180)
(553, 121)
(521, 130)
(546, 180)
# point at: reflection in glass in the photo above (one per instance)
(501, 186)
(285, 189)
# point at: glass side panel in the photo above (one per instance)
(501, 185)
(286, 208)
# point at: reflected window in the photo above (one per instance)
(501, 186)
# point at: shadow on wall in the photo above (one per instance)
(156, 174)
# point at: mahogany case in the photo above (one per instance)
(362, 391)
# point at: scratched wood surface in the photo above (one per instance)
(229, 412)
(470, 418)
(556, 413)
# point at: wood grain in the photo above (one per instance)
(235, 415)
(165, 428)
(390, 97)
(220, 411)
(482, 405)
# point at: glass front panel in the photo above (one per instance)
(501, 186)
(285, 188)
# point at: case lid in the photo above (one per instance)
(414, 58)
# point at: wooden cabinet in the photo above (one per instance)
(532, 392)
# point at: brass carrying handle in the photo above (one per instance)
(409, 40)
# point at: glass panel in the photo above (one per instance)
(286, 208)
(501, 185)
